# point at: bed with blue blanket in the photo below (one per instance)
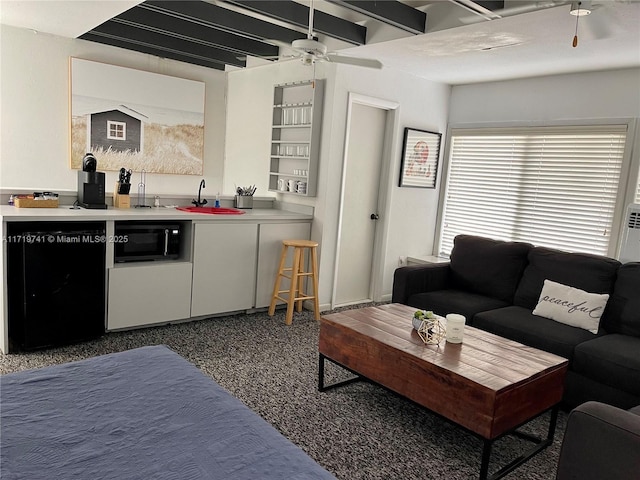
(142, 414)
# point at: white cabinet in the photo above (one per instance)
(147, 293)
(224, 267)
(269, 250)
(295, 137)
(233, 269)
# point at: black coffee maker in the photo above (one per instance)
(91, 184)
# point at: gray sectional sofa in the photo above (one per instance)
(496, 285)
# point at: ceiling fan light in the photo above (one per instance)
(579, 9)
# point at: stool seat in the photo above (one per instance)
(296, 274)
(300, 243)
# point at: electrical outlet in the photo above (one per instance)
(402, 261)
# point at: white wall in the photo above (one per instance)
(248, 123)
(411, 213)
(610, 94)
(34, 100)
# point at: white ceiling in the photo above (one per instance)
(609, 38)
(66, 18)
(524, 45)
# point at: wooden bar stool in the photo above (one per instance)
(296, 274)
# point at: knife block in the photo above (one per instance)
(120, 200)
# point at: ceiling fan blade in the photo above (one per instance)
(357, 61)
(277, 43)
(266, 57)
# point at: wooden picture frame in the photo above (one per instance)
(420, 153)
(134, 119)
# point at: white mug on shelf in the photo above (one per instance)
(455, 327)
(291, 185)
(282, 186)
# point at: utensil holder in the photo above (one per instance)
(243, 201)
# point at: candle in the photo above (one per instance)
(455, 327)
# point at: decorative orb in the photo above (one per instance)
(430, 330)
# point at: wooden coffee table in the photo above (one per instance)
(487, 384)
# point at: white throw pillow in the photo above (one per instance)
(571, 306)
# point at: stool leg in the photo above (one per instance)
(276, 286)
(314, 276)
(294, 285)
(300, 291)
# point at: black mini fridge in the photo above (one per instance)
(55, 283)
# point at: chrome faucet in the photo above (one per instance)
(199, 203)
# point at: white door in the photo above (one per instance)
(361, 184)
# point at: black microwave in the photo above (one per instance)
(141, 241)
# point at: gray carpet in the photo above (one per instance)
(360, 431)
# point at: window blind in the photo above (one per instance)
(550, 186)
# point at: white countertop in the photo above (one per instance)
(66, 213)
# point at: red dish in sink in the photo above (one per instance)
(212, 210)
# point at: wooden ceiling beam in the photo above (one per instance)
(298, 14)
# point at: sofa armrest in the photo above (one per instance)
(600, 441)
(414, 279)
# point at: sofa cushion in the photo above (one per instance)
(623, 311)
(571, 306)
(591, 273)
(579, 389)
(443, 302)
(488, 267)
(613, 360)
(519, 324)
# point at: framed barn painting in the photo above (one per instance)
(420, 152)
(134, 119)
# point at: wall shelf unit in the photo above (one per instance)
(295, 137)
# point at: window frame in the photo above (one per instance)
(630, 168)
(115, 123)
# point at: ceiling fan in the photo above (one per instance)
(312, 51)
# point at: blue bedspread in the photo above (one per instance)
(142, 414)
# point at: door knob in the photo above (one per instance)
(375, 216)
